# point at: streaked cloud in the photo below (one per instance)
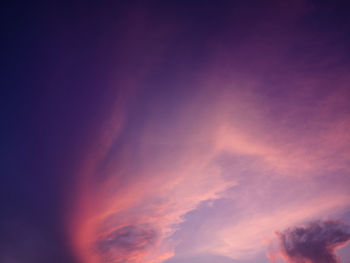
(253, 134)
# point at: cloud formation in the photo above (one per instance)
(166, 129)
(158, 156)
(315, 242)
(126, 243)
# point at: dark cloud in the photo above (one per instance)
(315, 242)
(127, 242)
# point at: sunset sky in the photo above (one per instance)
(212, 131)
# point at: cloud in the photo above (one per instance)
(156, 170)
(125, 244)
(156, 159)
(315, 242)
(202, 258)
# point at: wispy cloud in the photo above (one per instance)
(265, 136)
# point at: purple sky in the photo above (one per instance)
(176, 132)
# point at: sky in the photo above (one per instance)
(210, 131)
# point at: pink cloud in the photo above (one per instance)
(147, 170)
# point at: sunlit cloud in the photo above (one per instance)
(266, 145)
